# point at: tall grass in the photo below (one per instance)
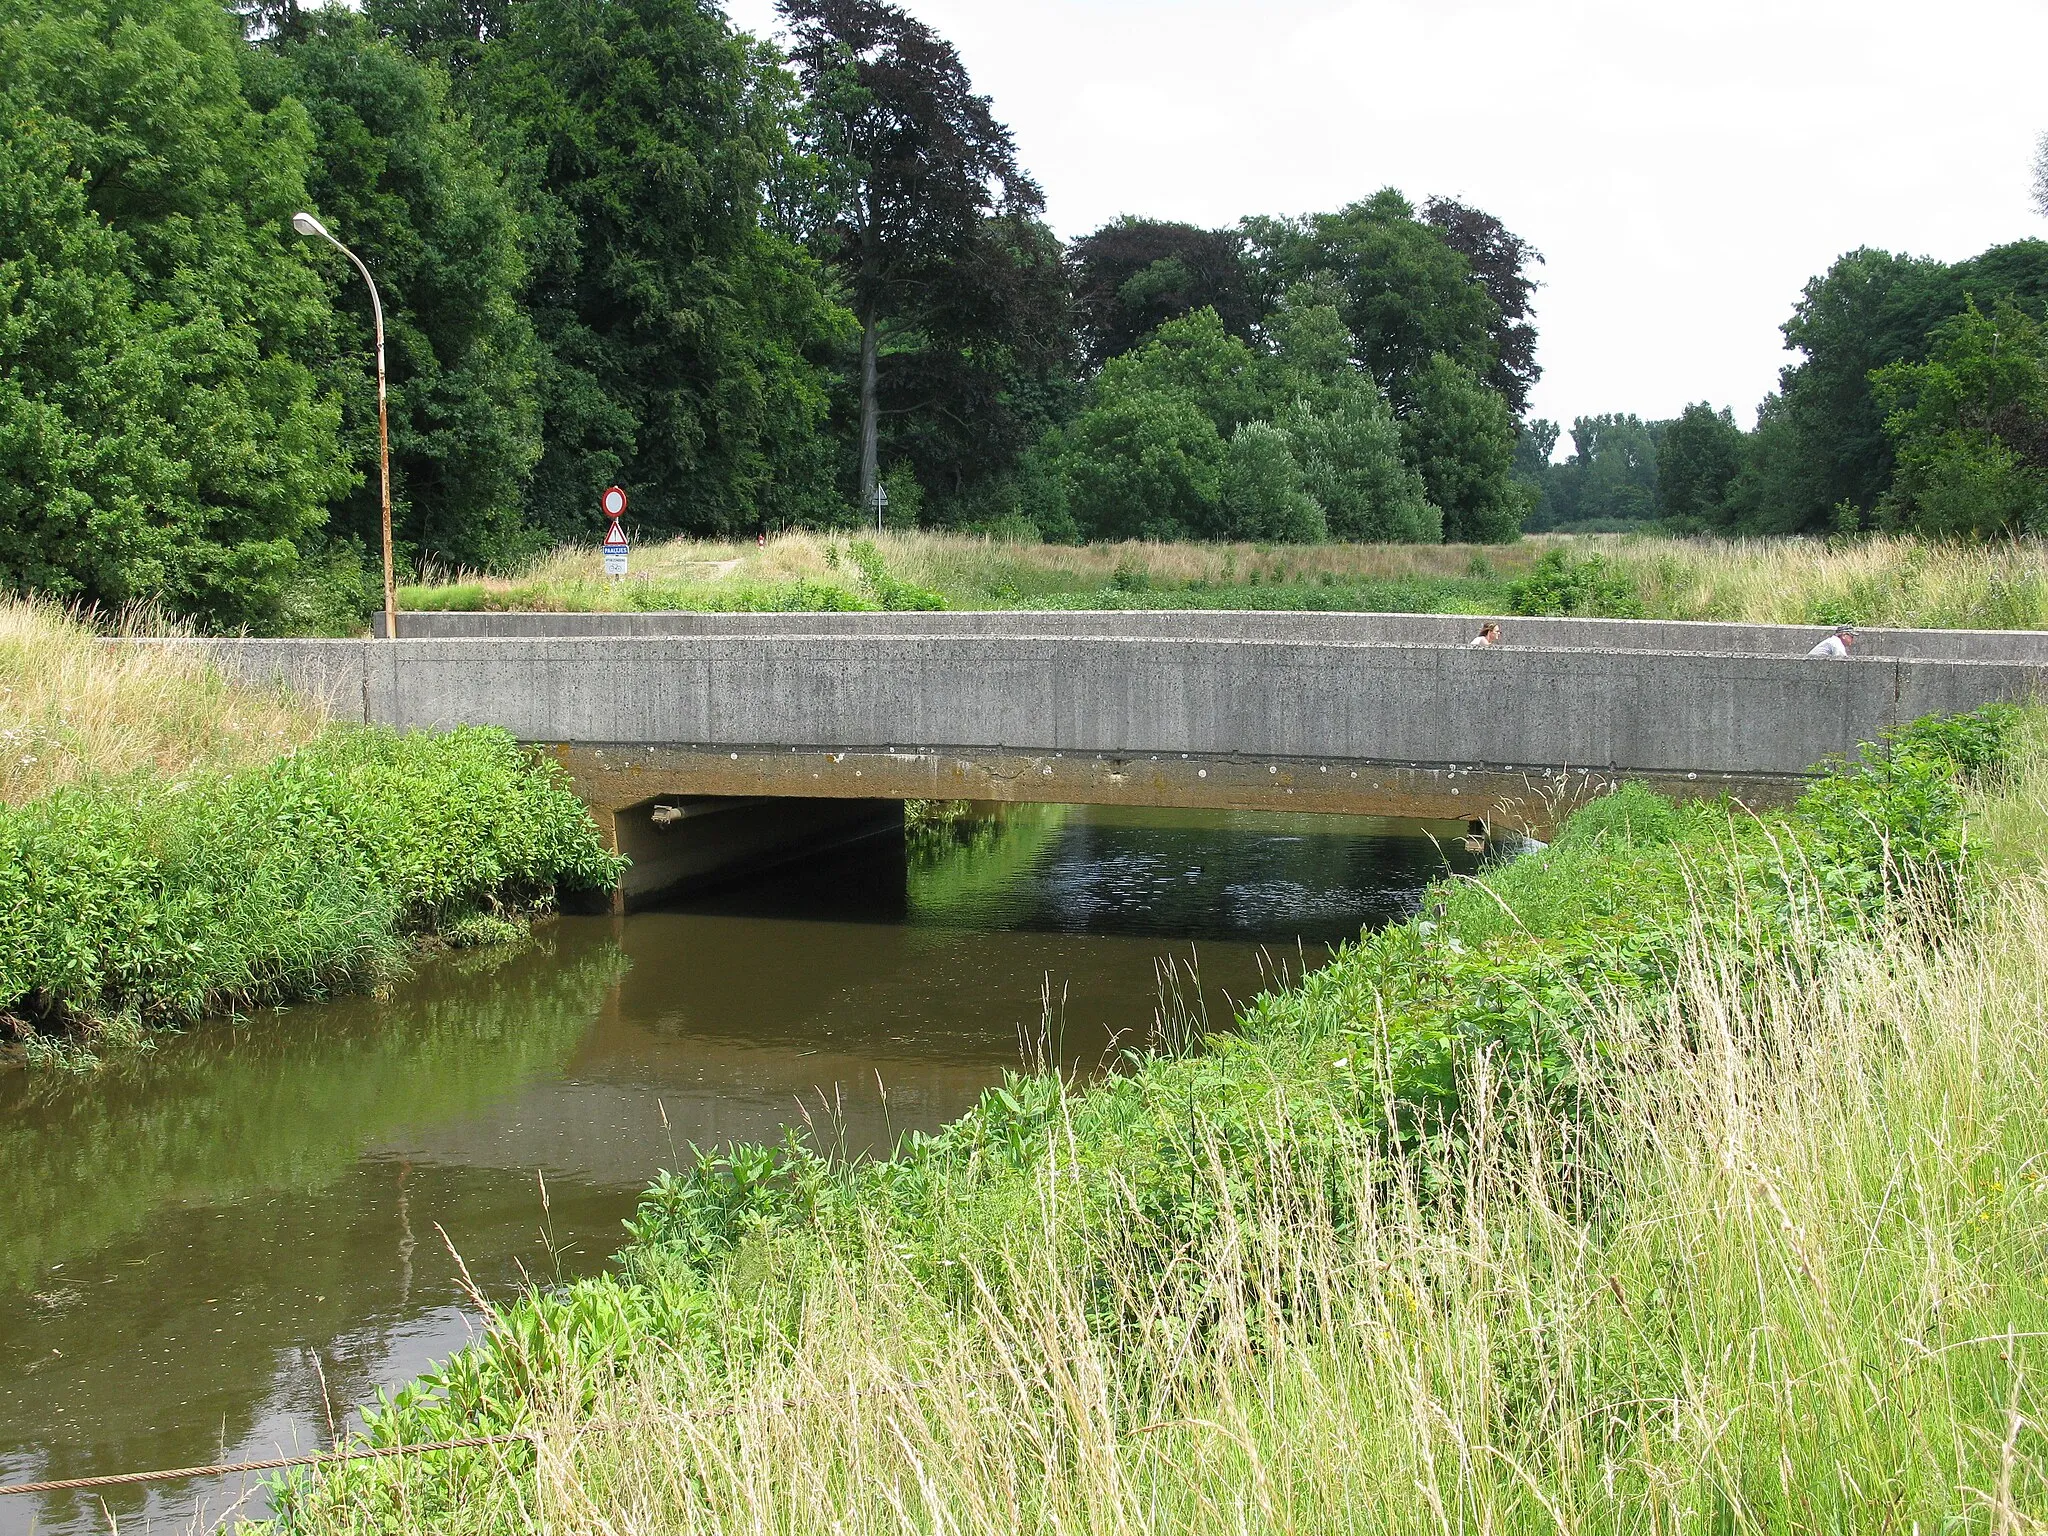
(1896, 582)
(73, 708)
(1803, 1293)
(974, 572)
(1884, 581)
(1808, 1298)
(1679, 1178)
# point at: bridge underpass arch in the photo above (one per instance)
(689, 816)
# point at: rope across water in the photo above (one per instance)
(274, 1464)
(379, 1453)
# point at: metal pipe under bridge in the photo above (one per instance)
(701, 739)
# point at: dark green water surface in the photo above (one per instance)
(208, 1253)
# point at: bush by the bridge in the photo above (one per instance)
(147, 901)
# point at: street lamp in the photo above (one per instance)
(307, 225)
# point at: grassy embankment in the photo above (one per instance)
(172, 845)
(1689, 1175)
(1899, 582)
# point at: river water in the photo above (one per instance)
(208, 1253)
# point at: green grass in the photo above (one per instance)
(136, 902)
(1684, 1176)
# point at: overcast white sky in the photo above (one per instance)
(1684, 166)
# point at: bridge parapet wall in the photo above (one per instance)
(1622, 712)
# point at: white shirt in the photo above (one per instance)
(1833, 646)
(1477, 640)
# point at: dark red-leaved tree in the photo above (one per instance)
(1133, 275)
(1500, 260)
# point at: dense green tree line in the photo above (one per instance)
(1919, 403)
(619, 241)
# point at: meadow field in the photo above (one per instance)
(1879, 581)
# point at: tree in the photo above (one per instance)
(399, 177)
(1339, 424)
(1869, 309)
(977, 366)
(160, 434)
(1971, 428)
(924, 161)
(1499, 260)
(1406, 295)
(1133, 275)
(1263, 493)
(1775, 490)
(1195, 359)
(1535, 446)
(686, 338)
(1460, 438)
(1143, 466)
(451, 33)
(1698, 458)
(1611, 474)
(1350, 453)
(1313, 353)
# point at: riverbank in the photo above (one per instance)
(1650, 1181)
(1895, 582)
(172, 845)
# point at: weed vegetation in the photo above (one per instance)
(174, 844)
(1684, 1176)
(73, 709)
(1900, 582)
(127, 904)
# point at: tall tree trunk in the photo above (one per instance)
(870, 415)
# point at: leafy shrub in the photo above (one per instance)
(1263, 494)
(170, 901)
(894, 594)
(1892, 816)
(1976, 747)
(1559, 586)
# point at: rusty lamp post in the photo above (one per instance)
(307, 225)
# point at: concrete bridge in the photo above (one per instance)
(703, 738)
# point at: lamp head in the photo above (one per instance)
(306, 224)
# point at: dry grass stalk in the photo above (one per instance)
(74, 708)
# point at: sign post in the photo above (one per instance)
(615, 546)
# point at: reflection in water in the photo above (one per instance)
(209, 1252)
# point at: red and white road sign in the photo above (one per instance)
(617, 536)
(614, 504)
